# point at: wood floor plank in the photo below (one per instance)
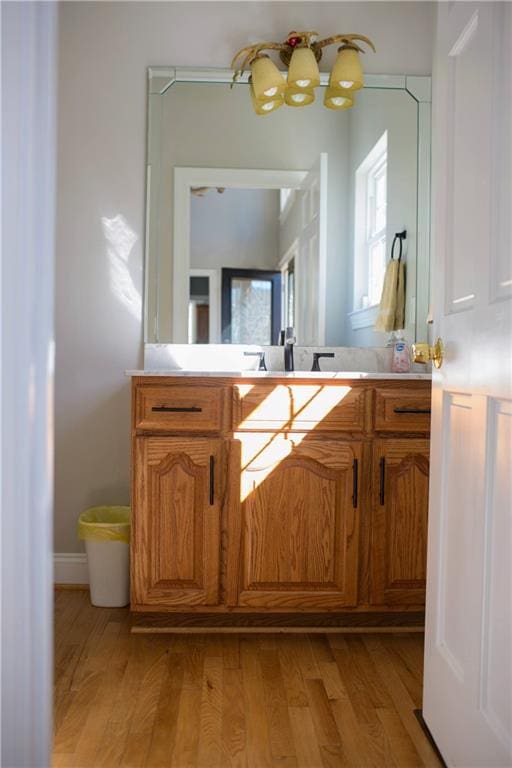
(233, 720)
(325, 725)
(165, 727)
(293, 679)
(406, 666)
(98, 715)
(210, 725)
(364, 698)
(258, 737)
(401, 700)
(206, 701)
(281, 738)
(333, 684)
(406, 753)
(187, 730)
(353, 743)
(306, 745)
(332, 756)
(230, 652)
(322, 651)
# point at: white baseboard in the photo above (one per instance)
(70, 568)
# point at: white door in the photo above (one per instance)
(306, 227)
(468, 652)
(29, 160)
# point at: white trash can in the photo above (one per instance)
(106, 532)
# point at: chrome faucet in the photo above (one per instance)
(289, 340)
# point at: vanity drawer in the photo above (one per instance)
(179, 407)
(402, 410)
(299, 407)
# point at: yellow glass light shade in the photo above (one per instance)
(303, 71)
(266, 105)
(347, 71)
(267, 80)
(299, 97)
(338, 98)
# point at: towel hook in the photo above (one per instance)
(400, 236)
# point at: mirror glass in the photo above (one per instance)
(258, 223)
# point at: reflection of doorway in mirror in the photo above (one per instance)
(251, 306)
(204, 307)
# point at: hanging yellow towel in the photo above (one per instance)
(392, 303)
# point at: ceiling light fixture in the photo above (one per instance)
(301, 52)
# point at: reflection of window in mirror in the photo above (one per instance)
(370, 226)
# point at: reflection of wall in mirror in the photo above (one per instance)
(239, 228)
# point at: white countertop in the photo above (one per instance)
(329, 375)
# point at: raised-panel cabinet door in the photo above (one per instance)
(295, 516)
(176, 521)
(399, 524)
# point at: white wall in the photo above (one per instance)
(237, 228)
(105, 49)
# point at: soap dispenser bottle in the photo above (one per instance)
(401, 362)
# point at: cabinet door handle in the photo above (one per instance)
(212, 480)
(176, 409)
(382, 479)
(355, 481)
(412, 410)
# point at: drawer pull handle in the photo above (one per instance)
(212, 480)
(172, 409)
(382, 479)
(412, 410)
(355, 482)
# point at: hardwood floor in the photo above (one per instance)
(282, 701)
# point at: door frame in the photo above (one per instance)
(274, 276)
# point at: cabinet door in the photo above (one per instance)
(399, 525)
(294, 522)
(176, 521)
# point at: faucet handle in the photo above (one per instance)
(261, 356)
(316, 358)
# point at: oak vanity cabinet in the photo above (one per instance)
(177, 485)
(400, 480)
(256, 498)
(399, 522)
(177, 538)
(294, 524)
